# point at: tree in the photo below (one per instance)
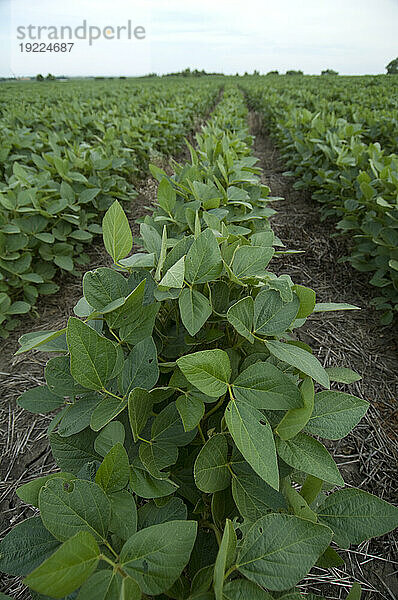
(273, 73)
(39, 77)
(329, 72)
(293, 72)
(392, 67)
(50, 77)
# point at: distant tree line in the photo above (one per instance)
(392, 67)
(188, 73)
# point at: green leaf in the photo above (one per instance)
(73, 452)
(203, 262)
(195, 309)
(67, 568)
(253, 497)
(123, 315)
(143, 484)
(93, 357)
(272, 316)
(140, 405)
(158, 456)
(82, 504)
(151, 238)
(162, 254)
(225, 557)
(306, 454)
(103, 286)
(211, 466)
(140, 368)
(254, 439)
(355, 516)
(102, 585)
(166, 195)
(167, 427)
(342, 375)
(141, 321)
(59, 378)
(108, 585)
(335, 414)
(307, 299)
(330, 558)
(113, 433)
(209, 371)
(241, 315)
(116, 232)
(355, 592)
(279, 550)
(242, 589)
(299, 358)
(191, 410)
(156, 556)
(297, 503)
(76, 416)
(174, 277)
(264, 386)
(40, 400)
(123, 514)
(107, 410)
(41, 339)
(20, 307)
(202, 580)
(140, 260)
(151, 514)
(114, 472)
(29, 492)
(328, 306)
(64, 262)
(26, 546)
(296, 419)
(251, 261)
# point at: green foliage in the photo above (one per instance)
(392, 67)
(185, 428)
(62, 164)
(339, 140)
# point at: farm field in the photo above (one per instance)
(209, 414)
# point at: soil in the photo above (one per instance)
(355, 339)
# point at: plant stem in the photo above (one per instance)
(214, 409)
(201, 434)
(231, 570)
(114, 395)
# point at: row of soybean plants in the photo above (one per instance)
(354, 179)
(368, 101)
(67, 151)
(188, 413)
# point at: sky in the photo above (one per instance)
(230, 36)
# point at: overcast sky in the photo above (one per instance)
(351, 36)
